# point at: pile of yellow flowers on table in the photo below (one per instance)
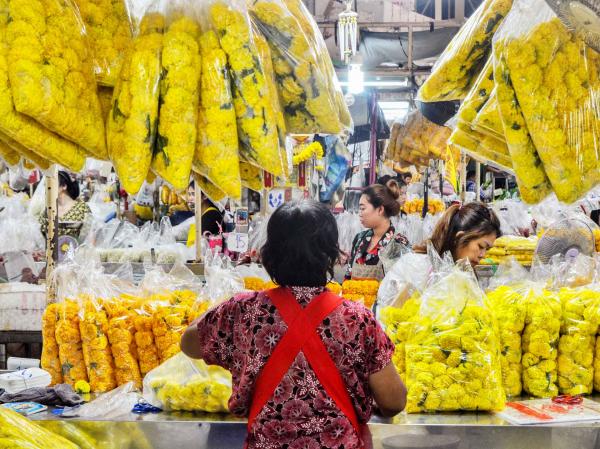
(99, 434)
(112, 341)
(415, 206)
(361, 290)
(453, 355)
(188, 385)
(510, 247)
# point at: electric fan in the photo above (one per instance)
(580, 16)
(568, 237)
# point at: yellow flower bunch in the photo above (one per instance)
(169, 322)
(209, 189)
(415, 206)
(251, 176)
(509, 308)
(105, 95)
(196, 388)
(580, 320)
(533, 182)
(96, 349)
(398, 323)
(216, 155)
(254, 283)
(454, 74)
(257, 123)
(68, 338)
(144, 341)
(109, 31)
(10, 156)
(555, 78)
(179, 96)
(121, 336)
(96, 434)
(19, 432)
(540, 340)
(50, 360)
(452, 355)
(363, 290)
(488, 120)
(51, 71)
(32, 136)
(133, 120)
(304, 152)
(26, 153)
(309, 104)
(334, 288)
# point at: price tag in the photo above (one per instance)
(237, 242)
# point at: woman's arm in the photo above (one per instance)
(190, 341)
(388, 390)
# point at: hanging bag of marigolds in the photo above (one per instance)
(133, 120)
(256, 118)
(179, 94)
(309, 103)
(110, 32)
(555, 78)
(216, 157)
(51, 71)
(453, 355)
(456, 70)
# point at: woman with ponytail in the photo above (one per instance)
(378, 204)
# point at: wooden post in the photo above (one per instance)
(463, 176)
(478, 181)
(52, 234)
(198, 219)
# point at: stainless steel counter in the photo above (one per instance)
(475, 430)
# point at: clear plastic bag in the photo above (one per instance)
(309, 104)
(133, 120)
(189, 385)
(15, 147)
(580, 320)
(256, 120)
(110, 33)
(51, 72)
(216, 155)
(179, 95)
(23, 129)
(456, 69)
(555, 81)
(507, 299)
(453, 356)
(17, 431)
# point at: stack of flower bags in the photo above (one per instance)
(509, 247)
(165, 88)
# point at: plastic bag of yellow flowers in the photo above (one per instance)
(556, 80)
(18, 432)
(580, 320)
(179, 94)
(181, 383)
(453, 356)
(133, 119)
(457, 68)
(51, 71)
(256, 119)
(109, 31)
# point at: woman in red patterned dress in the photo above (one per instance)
(309, 369)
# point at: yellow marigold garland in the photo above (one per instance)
(51, 71)
(68, 338)
(257, 124)
(364, 291)
(303, 153)
(109, 34)
(179, 96)
(50, 360)
(132, 124)
(217, 140)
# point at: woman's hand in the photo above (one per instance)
(190, 343)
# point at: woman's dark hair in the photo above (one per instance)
(64, 179)
(474, 220)
(384, 195)
(302, 244)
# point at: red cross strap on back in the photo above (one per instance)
(302, 335)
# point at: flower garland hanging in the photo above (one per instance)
(307, 151)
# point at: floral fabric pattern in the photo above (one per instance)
(361, 254)
(241, 334)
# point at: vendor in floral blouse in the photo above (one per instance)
(308, 368)
(378, 204)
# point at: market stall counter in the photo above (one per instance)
(221, 431)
